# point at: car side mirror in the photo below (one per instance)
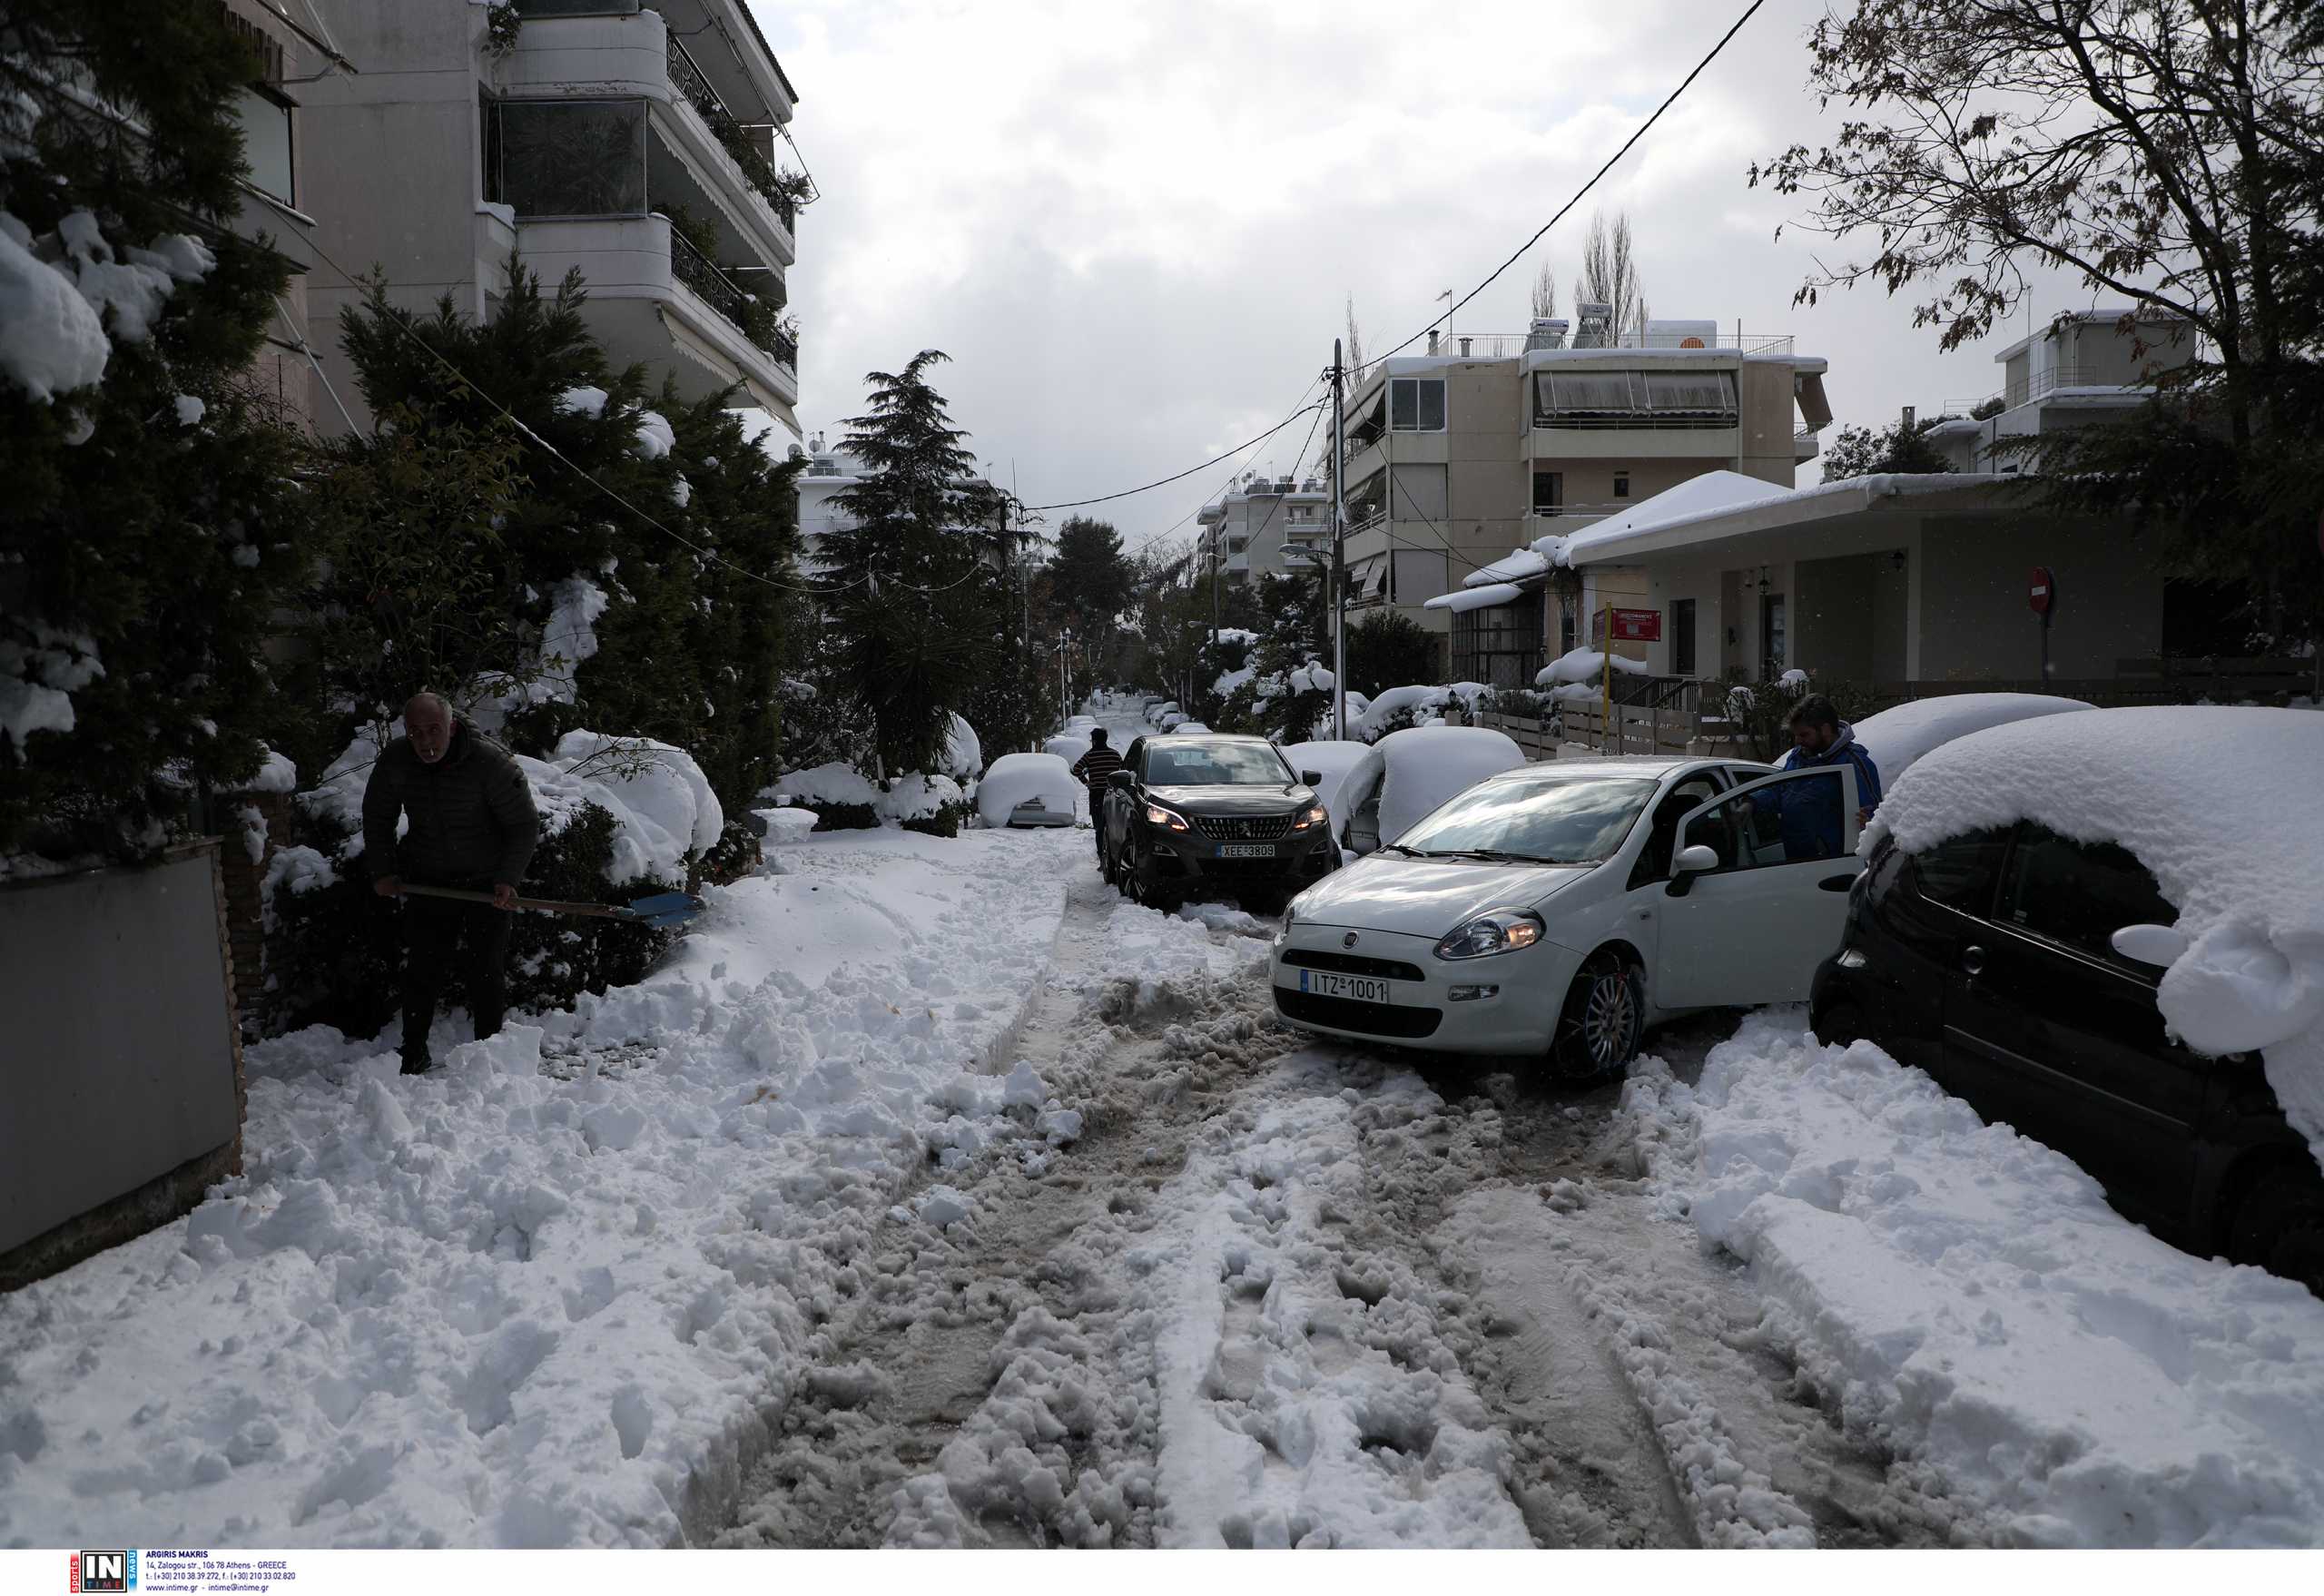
(2159, 945)
(1120, 778)
(1311, 776)
(1695, 859)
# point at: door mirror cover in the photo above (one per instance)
(2157, 945)
(1312, 777)
(1694, 858)
(1122, 778)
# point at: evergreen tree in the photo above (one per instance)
(1859, 452)
(462, 550)
(1089, 580)
(152, 524)
(1389, 649)
(912, 619)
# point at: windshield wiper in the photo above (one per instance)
(1494, 856)
(1399, 848)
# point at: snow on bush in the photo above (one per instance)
(1415, 771)
(2211, 801)
(1583, 665)
(51, 340)
(839, 786)
(1897, 738)
(1023, 778)
(38, 680)
(658, 793)
(1398, 708)
(1967, 1296)
(963, 752)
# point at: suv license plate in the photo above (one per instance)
(1247, 850)
(1362, 988)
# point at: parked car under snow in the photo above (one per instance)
(1407, 774)
(1028, 790)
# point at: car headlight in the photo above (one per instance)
(1170, 819)
(1850, 959)
(1310, 818)
(1496, 930)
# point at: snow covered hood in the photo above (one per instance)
(2221, 805)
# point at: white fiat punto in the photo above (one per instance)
(1556, 910)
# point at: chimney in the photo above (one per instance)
(1908, 417)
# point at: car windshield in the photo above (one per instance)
(1216, 764)
(1573, 820)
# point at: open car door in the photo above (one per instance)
(1754, 929)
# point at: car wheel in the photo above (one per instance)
(1107, 871)
(2279, 1224)
(1601, 1019)
(1145, 884)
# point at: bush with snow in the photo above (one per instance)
(845, 799)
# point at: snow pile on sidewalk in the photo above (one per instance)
(2209, 800)
(553, 1293)
(1966, 1298)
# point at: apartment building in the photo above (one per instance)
(1263, 526)
(292, 47)
(636, 145)
(2082, 369)
(830, 471)
(1488, 442)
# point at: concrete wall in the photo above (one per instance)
(1974, 623)
(122, 1069)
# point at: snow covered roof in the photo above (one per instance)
(1726, 504)
(1522, 566)
(1470, 598)
(2206, 798)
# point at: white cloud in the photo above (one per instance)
(1134, 228)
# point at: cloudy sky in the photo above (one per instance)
(1135, 228)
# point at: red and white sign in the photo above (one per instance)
(2042, 597)
(1637, 625)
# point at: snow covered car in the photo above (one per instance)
(1555, 911)
(1407, 774)
(1193, 814)
(1187, 728)
(2107, 930)
(1897, 738)
(1028, 790)
(1156, 712)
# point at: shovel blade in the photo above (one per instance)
(665, 909)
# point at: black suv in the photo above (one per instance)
(1191, 814)
(1989, 961)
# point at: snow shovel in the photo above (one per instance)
(660, 911)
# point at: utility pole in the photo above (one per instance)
(1339, 558)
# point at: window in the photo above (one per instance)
(1654, 859)
(2078, 893)
(1565, 628)
(1960, 873)
(1576, 820)
(1621, 485)
(1679, 399)
(1683, 636)
(1788, 822)
(265, 116)
(1416, 404)
(1549, 492)
(568, 157)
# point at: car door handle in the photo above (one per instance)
(1973, 960)
(1837, 883)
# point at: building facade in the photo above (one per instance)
(1263, 527)
(637, 145)
(1487, 443)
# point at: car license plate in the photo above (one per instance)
(1247, 850)
(1362, 988)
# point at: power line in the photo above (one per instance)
(1072, 504)
(1228, 480)
(1583, 190)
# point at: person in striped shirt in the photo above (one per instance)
(1093, 768)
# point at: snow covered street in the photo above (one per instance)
(933, 1196)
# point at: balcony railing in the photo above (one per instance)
(753, 317)
(1501, 346)
(1802, 444)
(688, 79)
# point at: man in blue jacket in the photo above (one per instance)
(1808, 811)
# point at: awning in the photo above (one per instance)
(1470, 598)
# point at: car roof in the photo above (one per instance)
(1196, 739)
(1615, 765)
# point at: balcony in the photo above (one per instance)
(749, 147)
(751, 316)
(1804, 445)
(656, 298)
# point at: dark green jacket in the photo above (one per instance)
(472, 815)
